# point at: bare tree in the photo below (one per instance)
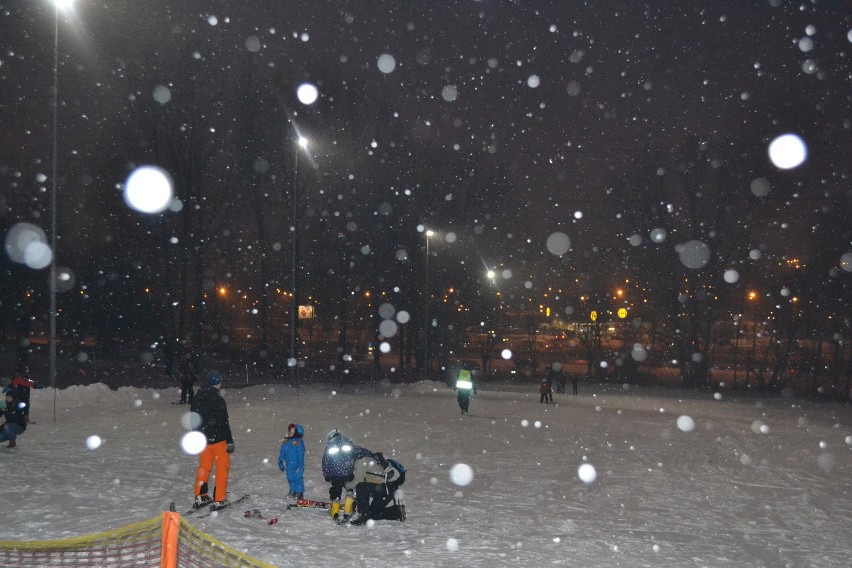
(692, 218)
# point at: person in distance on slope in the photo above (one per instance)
(465, 383)
(291, 458)
(212, 413)
(555, 374)
(376, 481)
(546, 392)
(16, 420)
(187, 373)
(338, 467)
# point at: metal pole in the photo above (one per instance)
(426, 312)
(294, 319)
(52, 342)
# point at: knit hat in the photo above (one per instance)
(214, 378)
(334, 432)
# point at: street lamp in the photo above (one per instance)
(426, 309)
(58, 6)
(302, 142)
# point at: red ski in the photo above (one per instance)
(309, 504)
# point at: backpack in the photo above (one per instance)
(394, 472)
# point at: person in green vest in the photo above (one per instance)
(465, 383)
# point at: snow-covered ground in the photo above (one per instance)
(671, 478)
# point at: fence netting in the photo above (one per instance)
(163, 541)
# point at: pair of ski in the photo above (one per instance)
(299, 504)
(207, 509)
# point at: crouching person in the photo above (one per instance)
(376, 482)
(16, 419)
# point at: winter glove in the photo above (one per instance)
(230, 449)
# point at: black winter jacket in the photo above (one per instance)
(15, 415)
(214, 415)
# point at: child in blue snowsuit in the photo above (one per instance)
(291, 459)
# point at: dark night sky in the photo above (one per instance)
(566, 95)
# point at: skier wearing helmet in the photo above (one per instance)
(338, 468)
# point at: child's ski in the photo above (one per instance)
(309, 504)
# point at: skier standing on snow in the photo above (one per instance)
(187, 373)
(216, 427)
(546, 392)
(554, 371)
(338, 468)
(291, 458)
(465, 383)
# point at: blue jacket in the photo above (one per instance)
(291, 459)
(338, 459)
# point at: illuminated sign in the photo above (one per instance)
(622, 313)
(306, 312)
(594, 315)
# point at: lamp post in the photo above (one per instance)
(58, 5)
(426, 311)
(294, 316)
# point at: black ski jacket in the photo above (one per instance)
(210, 406)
